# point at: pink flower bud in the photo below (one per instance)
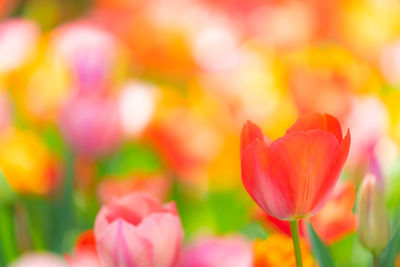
(138, 231)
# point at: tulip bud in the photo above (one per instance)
(371, 212)
(136, 230)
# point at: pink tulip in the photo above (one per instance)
(368, 120)
(218, 252)
(156, 185)
(137, 231)
(43, 259)
(90, 123)
(88, 52)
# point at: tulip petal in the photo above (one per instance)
(132, 208)
(121, 244)
(307, 156)
(315, 121)
(164, 231)
(333, 172)
(259, 171)
(250, 132)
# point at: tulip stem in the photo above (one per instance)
(8, 244)
(294, 228)
(376, 260)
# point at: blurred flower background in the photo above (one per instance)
(100, 99)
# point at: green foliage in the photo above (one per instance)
(254, 230)
(8, 244)
(229, 210)
(220, 212)
(54, 141)
(7, 195)
(130, 158)
(193, 210)
(320, 251)
(388, 256)
(350, 253)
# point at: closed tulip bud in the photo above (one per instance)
(136, 230)
(371, 212)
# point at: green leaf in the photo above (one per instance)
(38, 226)
(350, 253)
(229, 209)
(7, 195)
(254, 230)
(8, 244)
(63, 208)
(321, 252)
(54, 140)
(193, 210)
(388, 256)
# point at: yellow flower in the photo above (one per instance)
(277, 250)
(40, 86)
(25, 162)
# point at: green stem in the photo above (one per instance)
(7, 233)
(294, 228)
(376, 260)
(33, 228)
(64, 213)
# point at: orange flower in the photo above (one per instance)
(292, 177)
(187, 156)
(277, 250)
(6, 6)
(336, 219)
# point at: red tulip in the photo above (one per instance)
(138, 231)
(292, 177)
